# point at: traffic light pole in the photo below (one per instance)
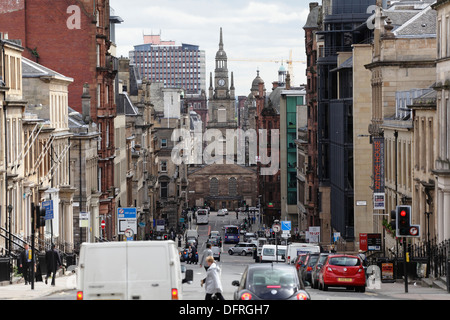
(405, 268)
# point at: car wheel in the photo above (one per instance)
(325, 287)
(243, 253)
(360, 289)
(230, 252)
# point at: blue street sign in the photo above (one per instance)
(286, 225)
(48, 205)
(127, 213)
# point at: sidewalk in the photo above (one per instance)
(20, 291)
(418, 291)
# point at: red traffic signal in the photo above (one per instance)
(403, 220)
(405, 228)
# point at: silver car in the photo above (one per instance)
(242, 248)
(216, 252)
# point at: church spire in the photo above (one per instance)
(221, 40)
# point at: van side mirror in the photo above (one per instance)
(189, 276)
(235, 283)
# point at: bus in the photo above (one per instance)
(231, 234)
(202, 216)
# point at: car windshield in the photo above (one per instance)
(344, 261)
(322, 259)
(313, 260)
(271, 282)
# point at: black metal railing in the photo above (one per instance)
(17, 245)
(435, 254)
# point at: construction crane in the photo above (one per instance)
(289, 62)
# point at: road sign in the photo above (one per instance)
(276, 228)
(126, 219)
(84, 220)
(48, 205)
(103, 224)
(286, 225)
(414, 231)
(129, 233)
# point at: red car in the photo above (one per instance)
(343, 271)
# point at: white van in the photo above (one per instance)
(294, 249)
(268, 253)
(132, 270)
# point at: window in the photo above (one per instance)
(163, 166)
(107, 135)
(164, 190)
(232, 187)
(447, 40)
(163, 143)
(222, 115)
(99, 181)
(99, 90)
(214, 187)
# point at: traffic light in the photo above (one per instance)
(166, 236)
(393, 222)
(40, 213)
(403, 221)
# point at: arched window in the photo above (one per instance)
(232, 187)
(214, 187)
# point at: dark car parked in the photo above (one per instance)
(306, 269)
(270, 282)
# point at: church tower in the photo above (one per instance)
(222, 100)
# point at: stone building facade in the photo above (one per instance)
(442, 87)
(222, 186)
(76, 43)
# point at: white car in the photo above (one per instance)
(216, 252)
(220, 212)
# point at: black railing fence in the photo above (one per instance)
(434, 254)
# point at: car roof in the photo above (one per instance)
(271, 265)
(344, 255)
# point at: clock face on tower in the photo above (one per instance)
(221, 82)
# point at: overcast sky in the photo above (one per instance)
(259, 30)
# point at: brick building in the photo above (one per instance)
(73, 38)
